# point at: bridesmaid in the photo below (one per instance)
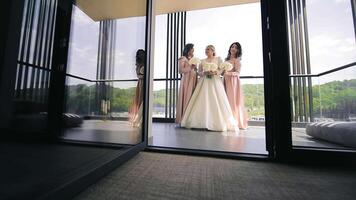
(233, 86)
(188, 80)
(134, 112)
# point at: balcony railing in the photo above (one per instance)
(319, 102)
(320, 96)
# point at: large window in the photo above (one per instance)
(104, 90)
(322, 73)
(220, 26)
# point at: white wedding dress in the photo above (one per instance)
(209, 107)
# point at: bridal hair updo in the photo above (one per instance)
(187, 48)
(239, 50)
(211, 47)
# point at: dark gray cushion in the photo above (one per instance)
(343, 133)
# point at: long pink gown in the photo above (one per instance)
(187, 86)
(134, 110)
(234, 94)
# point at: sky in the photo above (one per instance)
(219, 27)
(331, 33)
(330, 29)
(83, 47)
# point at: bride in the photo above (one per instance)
(209, 107)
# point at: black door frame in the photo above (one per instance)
(276, 62)
(268, 97)
(277, 99)
(59, 66)
(58, 78)
(280, 102)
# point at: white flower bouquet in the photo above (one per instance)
(225, 66)
(194, 61)
(210, 67)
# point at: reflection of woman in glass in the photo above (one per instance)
(135, 111)
(188, 81)
(209, 107)
(233, 85)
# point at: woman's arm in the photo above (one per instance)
(238, 66)
(219, 63)
(184, 66)
(236, 70)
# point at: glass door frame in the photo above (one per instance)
(278, 51)
(267, 97)
(58, 79)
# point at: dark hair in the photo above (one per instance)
(187, 48)
(239, 50)
(140, 57)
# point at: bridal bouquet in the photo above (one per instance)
(194, 61)
(210, 67)
(225, 66)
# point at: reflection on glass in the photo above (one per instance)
(29, 105)
(80, 97)
(104, 94)
(136, 109)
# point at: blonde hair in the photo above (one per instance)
(211, 47)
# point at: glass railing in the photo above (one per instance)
(165, 93)
(98, 111)
(327, 96)
(323, 108)
(99, 98)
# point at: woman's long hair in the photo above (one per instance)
(239, 51)
(187, 48)
(140, 57)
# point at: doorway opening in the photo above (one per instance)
(219, 25)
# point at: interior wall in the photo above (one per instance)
(4, 9)
(9, 45)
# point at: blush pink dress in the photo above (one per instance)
(234, 94)
(188, 83)
(135, 110)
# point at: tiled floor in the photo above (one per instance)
(251, 140)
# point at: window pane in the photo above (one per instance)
(104, 49)
(83, 45)
(331, 33)
(322, 38)
(160, 47)
(246, 29)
